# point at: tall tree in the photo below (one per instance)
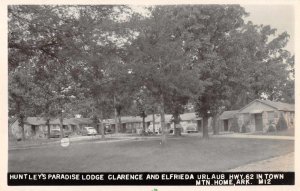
(44, 34)
(231, 56)
(203, 29)
(258, 63)
(103, 70)
(145, 104)
(71, 48)
(20, 89)
(158, 59)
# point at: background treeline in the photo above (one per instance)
(107, 61)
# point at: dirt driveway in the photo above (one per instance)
(281, 163)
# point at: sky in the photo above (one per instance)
(281, 17)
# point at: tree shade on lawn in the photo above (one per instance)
(215, 154)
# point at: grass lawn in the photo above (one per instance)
(288, 132)
(40, 142)
(183, 154)
(15, 143)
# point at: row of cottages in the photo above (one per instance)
(258, 115)
(188, 122)
(36, 126)
(129, 124)
(134, 124)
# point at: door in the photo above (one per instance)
(33, 129)
(226, 125)
(73, 128)
(258, 122)
(123, 128)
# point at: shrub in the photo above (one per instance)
(235, 125)
(272, 127)
(244, 126)
(281, 124)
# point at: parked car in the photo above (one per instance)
(89, 131)
(191, 128)
(55, 133)
(67, 133)
(108, 131)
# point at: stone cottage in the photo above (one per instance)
(129, 124)
(260, 114)
(35, 127)
(228, 121)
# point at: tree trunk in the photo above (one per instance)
(205, 127)
(199, 125)
(162, 120)
(116, 116)
(95, 123)
(61, 120)
(48, 127)
(119, 122)
(116, 121)
(144, 126)
(153, 122)
(23, 132)
(177, 127)
(102, 126)
(215, 125)
(102, 130)
(21, 124)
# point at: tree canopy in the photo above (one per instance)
(96, 60)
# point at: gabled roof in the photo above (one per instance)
(189, 117)
(131, 119)
(228, 114)
(279, 105)
(276, 105)
(109, 121)
(36, 121)
(150, 117)
(66, 121)
(168, 118)
(83, 120)
(138, 119)
(125, 119)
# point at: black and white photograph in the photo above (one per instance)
(150, 95)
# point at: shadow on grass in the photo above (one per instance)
(184, 154)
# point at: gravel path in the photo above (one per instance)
(281, 163)
(249, 136)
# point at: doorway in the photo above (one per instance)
(33, 129)
(258, 122)
(226, 125)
